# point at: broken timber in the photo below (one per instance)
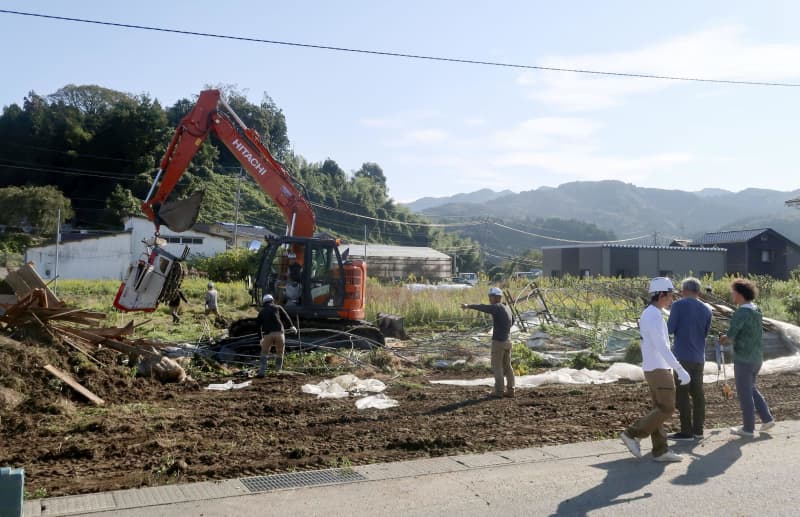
(75, 385)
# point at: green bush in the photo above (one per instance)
(586, 360)
(225, 267)
(792, 304)
(524, 360)
(633, 354)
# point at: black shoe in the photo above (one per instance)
(681, 437)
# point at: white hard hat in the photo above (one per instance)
(495, 291)
(267, 298)
(660, 284)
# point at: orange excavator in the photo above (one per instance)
(318, 285)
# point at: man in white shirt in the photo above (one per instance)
(658, 362)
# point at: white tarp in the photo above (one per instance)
(619, 371)
(342, 386)
(230, 385)
(379, 401)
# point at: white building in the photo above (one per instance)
(95, 257)
(388, 262)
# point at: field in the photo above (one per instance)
(152, 434)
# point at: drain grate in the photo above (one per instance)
(301, 479)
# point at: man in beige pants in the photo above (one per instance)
(658, 364)
(502, 319)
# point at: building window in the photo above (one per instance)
(766, 256)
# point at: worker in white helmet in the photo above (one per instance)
(658, 364)
(270, 320)
(502, 319)
(212, 300)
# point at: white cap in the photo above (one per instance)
(267, 298)
(660, 284)
(495, 291)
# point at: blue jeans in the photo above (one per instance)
(750, 399)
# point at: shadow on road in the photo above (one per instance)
(716, 462)
(624, 476)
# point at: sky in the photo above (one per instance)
(441, 128)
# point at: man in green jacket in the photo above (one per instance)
(745, 334)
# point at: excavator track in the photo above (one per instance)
(322, 333)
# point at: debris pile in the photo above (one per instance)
(34, 313)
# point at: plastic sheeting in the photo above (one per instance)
(379, 401)
(230, 385)
(342, 386)
(619, 371)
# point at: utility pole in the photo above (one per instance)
(58, 241)
(365, 243)
(236, 211)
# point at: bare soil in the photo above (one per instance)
(152, 434)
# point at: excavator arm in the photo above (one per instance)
(211, 114)
(157, 275)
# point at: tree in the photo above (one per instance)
(122, 203)
(34, 208)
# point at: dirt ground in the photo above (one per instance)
(153, 434)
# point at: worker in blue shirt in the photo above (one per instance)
(690, 321)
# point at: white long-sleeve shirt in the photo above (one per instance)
(655, 341)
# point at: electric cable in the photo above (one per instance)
(401, 54)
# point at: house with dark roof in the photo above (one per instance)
(627, 260)
(760, 251)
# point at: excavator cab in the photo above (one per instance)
(305, 275)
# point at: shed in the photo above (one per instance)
(95, 256)
(390, 263)
(625, 260)
(760, 251)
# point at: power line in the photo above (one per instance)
(566, 240)
(401, 54)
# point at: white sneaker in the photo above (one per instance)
(738, 431)
(668, 456)
(631, 443)
(766, 426)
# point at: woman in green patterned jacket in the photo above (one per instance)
(745, 334)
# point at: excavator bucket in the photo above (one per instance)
(153, 279)
(180, 215)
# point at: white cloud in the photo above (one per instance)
(587, 166)
(544, 132)
(424, 136)
(717, 53)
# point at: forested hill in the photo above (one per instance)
(628, 210)
(100, 147)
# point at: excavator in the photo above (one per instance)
(318, 285)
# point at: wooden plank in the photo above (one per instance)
(32, 278)
(75, 385)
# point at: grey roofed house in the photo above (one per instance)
(625, 260)
(761, 251)
(245, 233)
(388, 262)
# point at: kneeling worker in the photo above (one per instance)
(270, 320)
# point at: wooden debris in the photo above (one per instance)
(75, 385)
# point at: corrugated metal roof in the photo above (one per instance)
(733, 236)
(636, 246)
(386, 250)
